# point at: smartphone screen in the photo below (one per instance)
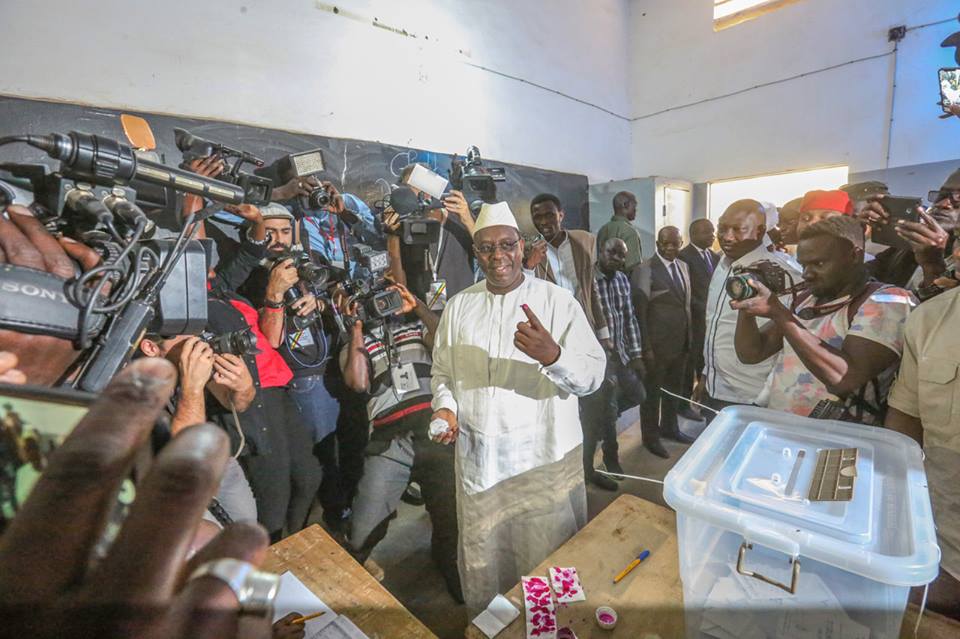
(949, 87)
(898, 208)
(34, 422)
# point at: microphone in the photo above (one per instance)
(105, 161)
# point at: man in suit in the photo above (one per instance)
(700, 260)
(567, 259)
(661, 288)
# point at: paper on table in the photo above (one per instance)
(566, 585)
(541, 613)
(294, 596)
(340, 628)
(498, 615)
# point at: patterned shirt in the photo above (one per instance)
(880, 319)
(385, 403)
(614, 293)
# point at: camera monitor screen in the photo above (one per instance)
(949, 87)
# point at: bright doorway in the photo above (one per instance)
(779, 188)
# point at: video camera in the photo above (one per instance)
(768, 273)
(256, 189)
(240, 342)
(415, 228)
(477, 182)
(157, 285)
(376, 301)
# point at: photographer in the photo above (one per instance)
(727, 380)
(390, 362)
(281, 471)
(840, 342)
(930, 239)
(206, 376)
(444, 268)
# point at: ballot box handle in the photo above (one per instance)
(742, 557)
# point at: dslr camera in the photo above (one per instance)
(314, 275)
(256, 189)
(240, 343)
(477, 182)
(301, 165)
(768, 273)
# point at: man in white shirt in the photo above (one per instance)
(726, 380)
(511, 356)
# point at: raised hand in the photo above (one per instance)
(534, 340)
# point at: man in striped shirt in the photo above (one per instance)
(621, 388)
(390, 361)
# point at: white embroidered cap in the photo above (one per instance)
(498, 214)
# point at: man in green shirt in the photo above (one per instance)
(624, 212)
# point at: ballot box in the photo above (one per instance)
(798, 528)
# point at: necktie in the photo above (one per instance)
(708, 260)
(677, 280)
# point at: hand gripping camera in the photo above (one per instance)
(768, 273)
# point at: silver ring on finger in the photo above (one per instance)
(256, 590)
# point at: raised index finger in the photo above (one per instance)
(534, 320)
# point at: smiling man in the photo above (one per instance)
(843, 339)
(511, 356)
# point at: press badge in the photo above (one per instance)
(437, 299)
(404, 378)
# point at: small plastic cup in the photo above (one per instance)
(606, 617)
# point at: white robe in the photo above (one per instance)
(515, 416)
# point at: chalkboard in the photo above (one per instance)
(364, 168)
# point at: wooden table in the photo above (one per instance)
(334, 576)
(648, 601)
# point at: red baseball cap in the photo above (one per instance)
(837, 201)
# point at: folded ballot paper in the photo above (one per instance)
(294, 596)
(498, 615)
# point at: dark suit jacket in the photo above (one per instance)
(699, 286)
(663, 312)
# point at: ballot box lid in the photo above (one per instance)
(849, 495)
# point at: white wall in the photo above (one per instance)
(292, 65)
(840, 116)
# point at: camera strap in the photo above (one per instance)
(36, 302)
(435, 261)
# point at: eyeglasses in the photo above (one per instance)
(935, 196)
(490, 249)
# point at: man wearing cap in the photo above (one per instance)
(726, 380)
(511, 356)
(841, 341)
(820, 205)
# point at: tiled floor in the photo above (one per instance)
(405, 553)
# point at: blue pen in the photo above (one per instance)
(633, 564)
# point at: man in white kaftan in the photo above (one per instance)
(511, 356)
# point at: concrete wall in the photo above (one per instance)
(688, 124)
(464, 73)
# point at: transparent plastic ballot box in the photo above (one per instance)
(792, 527)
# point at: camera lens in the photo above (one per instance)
(313, 273)
(738, 287)
(318, 198)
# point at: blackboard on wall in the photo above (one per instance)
(366, 169)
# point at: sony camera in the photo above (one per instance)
(240, 343)
(376, 301)
(256, 189)
(477, 182)
(768, 273)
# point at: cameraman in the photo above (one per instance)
(726, 380)
(446, 266)
(841, 341)
(205, 375)
(390, 362)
